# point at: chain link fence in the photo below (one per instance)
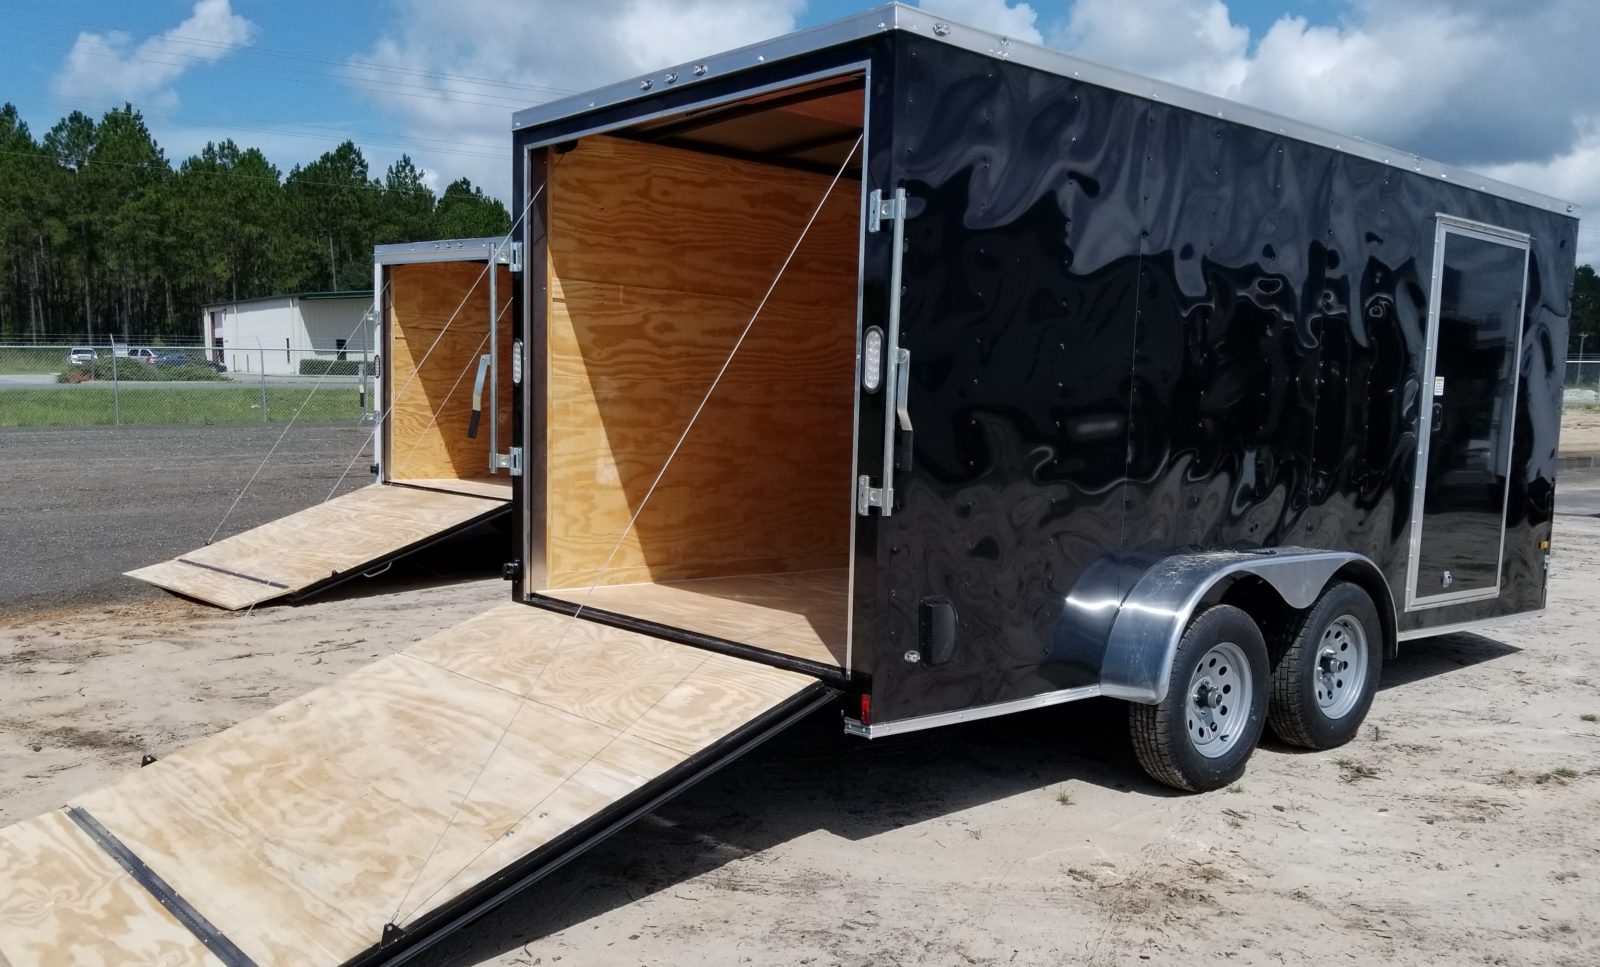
(1582, 385)
(83, 384)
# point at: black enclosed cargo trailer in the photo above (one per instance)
(892, 361)
(1079, 358)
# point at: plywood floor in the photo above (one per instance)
(803, 615)
(300, 833)
(348, 533)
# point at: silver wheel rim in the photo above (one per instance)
(1340, 673)
(1218, 709)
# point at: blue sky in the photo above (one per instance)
(1504, 88)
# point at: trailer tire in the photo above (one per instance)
(1312, 704)
(1200, 735)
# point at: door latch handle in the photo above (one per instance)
(477, 398)
(902, 389)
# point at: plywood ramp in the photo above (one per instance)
(300, 834)
(658, 259)
(321, 544)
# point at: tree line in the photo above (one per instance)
(100, 235)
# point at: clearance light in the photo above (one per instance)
(516, 362)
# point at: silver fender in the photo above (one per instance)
(1152, 618)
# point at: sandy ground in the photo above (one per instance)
(1463, 827)
(1580, 430)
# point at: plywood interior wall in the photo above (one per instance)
(657, 259)
(422, 299)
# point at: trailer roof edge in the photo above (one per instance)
(895, 16)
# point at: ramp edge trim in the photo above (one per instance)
(219, 945)
(233, 574)
(401, 945)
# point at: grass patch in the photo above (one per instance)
(1353, 771)
(29, 361)
(1588, 717)
(156, 405)
(1064, 798)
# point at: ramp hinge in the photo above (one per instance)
(508, 461)
(868, 496)
(511, 256)
(881, 209)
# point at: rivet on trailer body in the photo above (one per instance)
(700, 70)
(645, 84)
(672, 77)
(941, 29)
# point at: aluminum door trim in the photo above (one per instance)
(1445, 226)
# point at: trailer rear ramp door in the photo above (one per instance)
(320, 546)
(295, 837)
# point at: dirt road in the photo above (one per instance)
(1463, 826)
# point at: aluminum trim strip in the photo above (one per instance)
(914, 21)
(443, 250)
(881, 729)
(842, 70)
(203, 930)
(1459, 626)
(1448, 225)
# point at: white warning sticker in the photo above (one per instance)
(1438, 386)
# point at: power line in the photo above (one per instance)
(480, 99)
(437, 145)
(310, 58)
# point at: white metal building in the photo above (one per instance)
(273, 334)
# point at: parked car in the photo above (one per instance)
(82, 356)
(142, 355)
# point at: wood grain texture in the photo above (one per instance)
(64, 901)
(225, 591)
(298, 834)
(658, 259)
(344, 534)
(423, 300)
(497, 487)
(801, 614)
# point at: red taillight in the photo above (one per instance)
(866, 710)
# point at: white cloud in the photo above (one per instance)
(111, 67)
(1015, 20)
(535, 50)
(1573, 175)
(1505, 89)
(1188, 42)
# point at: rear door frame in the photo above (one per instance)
(502, 250)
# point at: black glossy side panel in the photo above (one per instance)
(1135, 330)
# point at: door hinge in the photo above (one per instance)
(510, 255)
(868, 496)
(508, 461)
(881, 209)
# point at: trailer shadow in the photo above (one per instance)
(471, 555)
(1430, 657)
(813, 778)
